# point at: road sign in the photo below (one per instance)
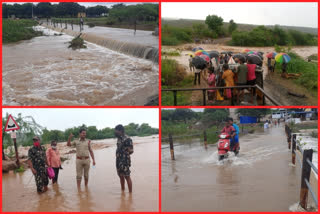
(11, 124)
(13, 135)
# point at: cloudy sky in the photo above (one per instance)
(290, 14)
(62, 118)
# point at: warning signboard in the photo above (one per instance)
(11, 124)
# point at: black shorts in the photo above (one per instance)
(241, 84)
(251, 82)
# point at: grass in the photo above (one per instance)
(171, 53)
(20, 169)
(17, 30)
(77, 43)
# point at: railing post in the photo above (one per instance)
(289, 138)
(16, 150)
(205, 139)
(294, 148)
(174, 98)
(66, 25)
(171, 147)
(72, 24)
(204, 97)
(306, 170)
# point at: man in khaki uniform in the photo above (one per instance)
(83, 148)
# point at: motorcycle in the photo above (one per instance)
(224, 146)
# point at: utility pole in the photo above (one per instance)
(32, 10)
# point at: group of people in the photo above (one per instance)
(268, 123)
(40, 159)
(221, 74)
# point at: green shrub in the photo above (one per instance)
(16, 30)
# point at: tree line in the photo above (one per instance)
(29, 128)
(214, 27)
(122, 12)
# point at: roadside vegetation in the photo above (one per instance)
(174, 75)
(181, 122)
(119, 15)
(30, 128)
(17, 30)
(214, 27)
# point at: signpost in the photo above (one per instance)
(12, 125)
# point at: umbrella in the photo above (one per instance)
(271, 55)
(229, 52)
(205, 57)
(191, 54)
(282, 58)
(200, 52)
(252, 52)
(245, 50)
(199, 62)
(213, 54)
(224, 52)
(239, 56)
(196, 49)
(255, 59)
(261, 53)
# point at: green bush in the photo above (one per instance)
(16, 30)
(262, 36)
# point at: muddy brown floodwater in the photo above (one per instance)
(103, 193)
(259, 179)
(44, 71)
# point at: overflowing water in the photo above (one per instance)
(103, 192)
(44, 71)
(259, 179)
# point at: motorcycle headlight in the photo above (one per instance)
(226, 145)
(223, 136)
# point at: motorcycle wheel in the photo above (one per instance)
(221, 157)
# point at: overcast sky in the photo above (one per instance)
(290, 14)
(62, 118)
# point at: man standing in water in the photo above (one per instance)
(81, 23)
(83, 148)
(37, 162)
(123, 160)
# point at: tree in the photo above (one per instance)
(44, 9)
(166, 114)
(211, 115)
(232, 26)
(183, 114)
(214, 23)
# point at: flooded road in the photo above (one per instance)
(103, 192)
(44, 71)
(259, 179)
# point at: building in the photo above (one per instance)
(82, 14)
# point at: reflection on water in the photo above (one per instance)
(103, 192)
(43, 71)
(259, 179)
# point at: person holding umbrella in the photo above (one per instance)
(251, 77)
(211, 83)
(197, 76)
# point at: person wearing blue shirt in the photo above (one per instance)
(236, 137)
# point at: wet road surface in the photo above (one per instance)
(261, 178)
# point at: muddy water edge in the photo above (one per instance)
(103, 192)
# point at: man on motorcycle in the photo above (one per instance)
(236, 136)
(231, 131)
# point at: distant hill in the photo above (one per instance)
(241, 27)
